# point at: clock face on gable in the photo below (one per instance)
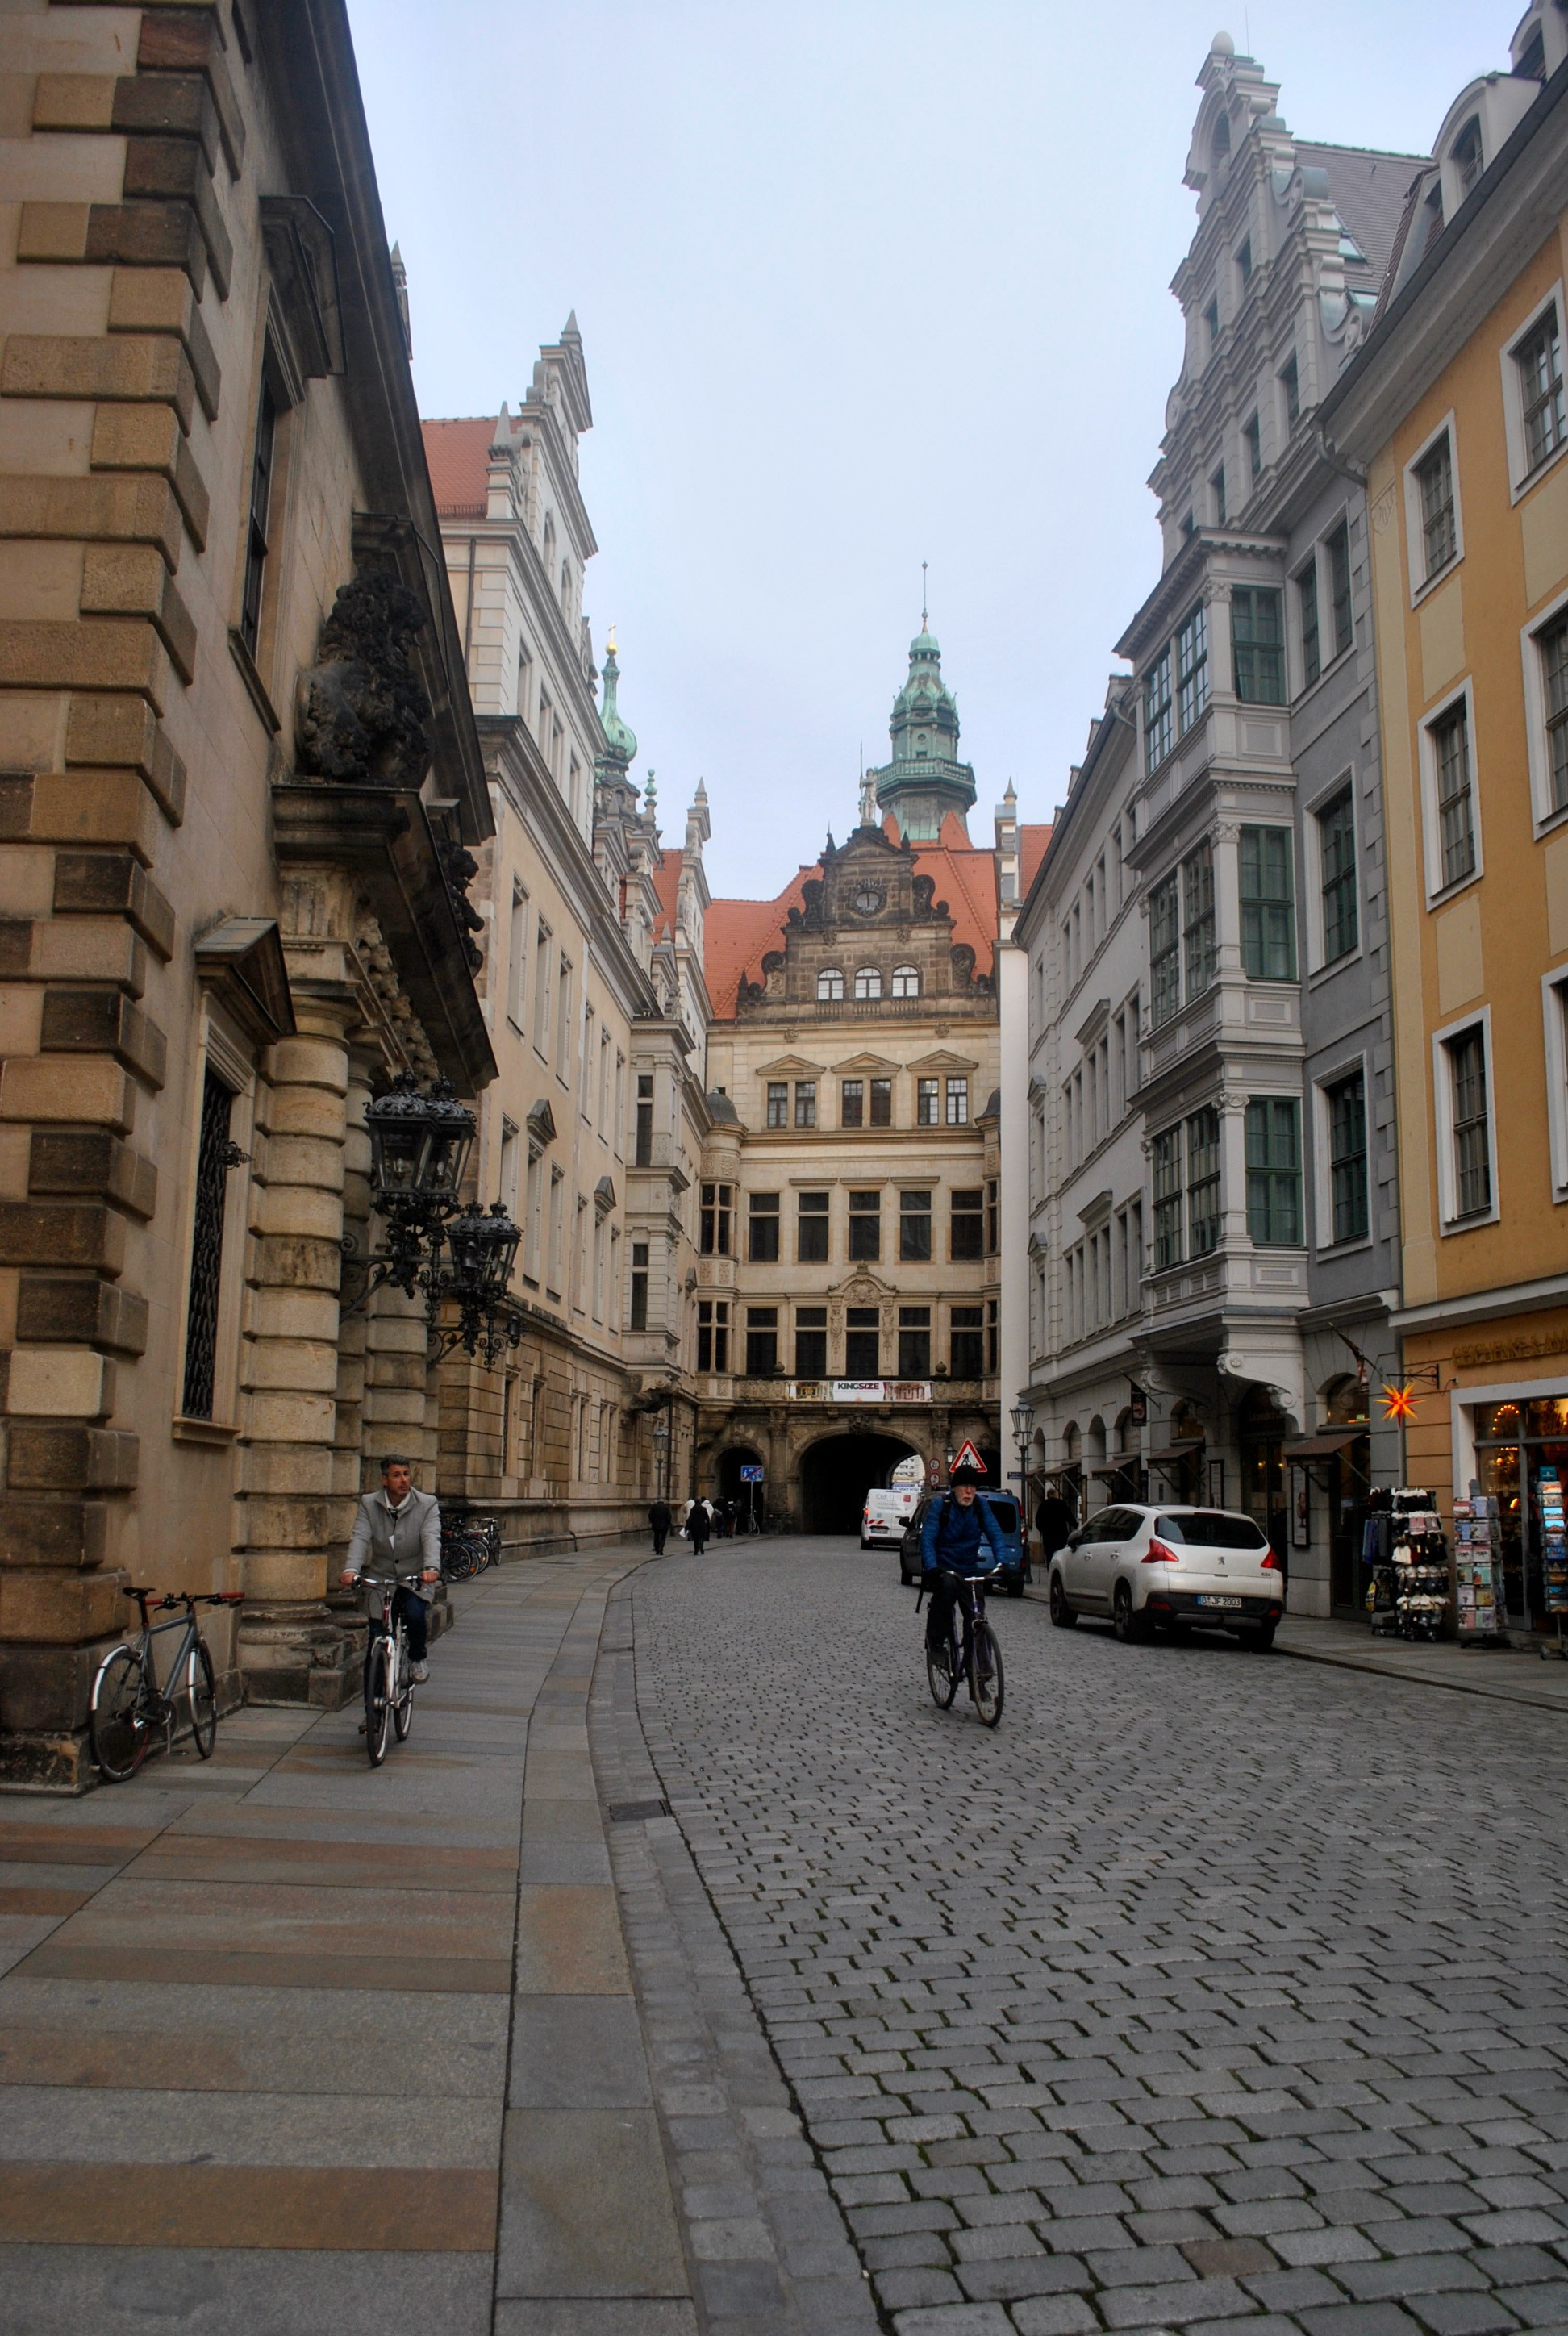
(868, 899)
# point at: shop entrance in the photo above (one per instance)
(1261, 1440)
(836, 1476)
(1514, 1442)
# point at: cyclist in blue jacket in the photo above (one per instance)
(959, 1536)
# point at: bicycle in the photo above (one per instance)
(976, 1659)
(468, 1544)
(128, 1703)
(388, 1680)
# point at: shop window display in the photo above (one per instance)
(1520, 1453)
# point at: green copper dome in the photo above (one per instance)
(619, 738)
(925, 779)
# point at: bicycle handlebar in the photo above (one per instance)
(183, 1598)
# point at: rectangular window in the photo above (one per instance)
(1167, 1162)
(1337, 547)
(1291, 383)
(256, 540)
(865, 1230)
(713, 1334)
(1159, 735)
(914, 1228)
(778, 1104)
(811, 1342)
(718, 1205)
(763, 1224)
(1347, 1157)
(645, 1119)
(761, 1341)
(1254, 435)
(1274, 1172)
(1198, 920)
(516, 943)
(881, 1102)
(1212, 320)
(1257, 645)
(915, 1342)
(928, 1103)
(542, 939)
(1336, 859)
(1217, 489)
(1244, 259)
(805, 1103)
(1435, 485)
(1164, 949)
(639, 1285)
(1203, 1182)
(853, 1101)
(862, 1343)
(966, 1342)
(1193, 668)
(993, 1217)
(811, 1229)
(563, 1016)
(1307, 603)
(215, 1158)
(1540, 363)
(958, 1102)
(1472, 1125)
(969, 1222)
(1456, 803)
(1552, 645)
(1268, 905)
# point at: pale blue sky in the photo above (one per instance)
(859, 286)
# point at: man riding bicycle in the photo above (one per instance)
(959, 1537)
(394, 1531)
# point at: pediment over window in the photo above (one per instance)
(540, 1122)
(240, 963)
(944, 1062)
(791, 1067)
(862, 1289)
(604, 1197)
(870, 1066)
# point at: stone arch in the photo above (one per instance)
(836, 1470)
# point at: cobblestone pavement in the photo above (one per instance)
(1212, 1989)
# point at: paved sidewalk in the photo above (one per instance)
(1509, 1674)
(290, 2046)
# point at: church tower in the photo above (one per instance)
(925, 780)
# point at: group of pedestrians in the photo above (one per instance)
(701, 1520)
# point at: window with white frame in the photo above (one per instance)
(830, 985)
(1167, 1179)
(1342, 622)
(906, 981)
(1165, 949)
(1198, 920)
(1432, 516)
(1268, 904)
(1252, 433)
(1467, 1175)
(867, 983)
(516, 943)
(1533, 395)
(1546, 648)
(1193, 665)
(1336, 825)
(1555, 1006)
(1158, 731)
(1345, 1101)
(1311, 635)
(1453, 852)
(1273, 1142)
(1257, 645)
(1203, 1182)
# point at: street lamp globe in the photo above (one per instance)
(1023, 1422)
(483, 1245)
(419, 1146)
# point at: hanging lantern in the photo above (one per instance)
(419, 1146)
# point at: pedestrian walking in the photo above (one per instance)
(697, 1524)
(1054, 1520)
(658, 1517)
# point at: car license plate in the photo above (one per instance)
(1205, 1599)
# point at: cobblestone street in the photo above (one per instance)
(1211, 1987)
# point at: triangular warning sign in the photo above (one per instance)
(969, 1457)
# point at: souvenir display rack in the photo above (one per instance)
(1554, 1552)
(1404, 1545)
(1481, 1611)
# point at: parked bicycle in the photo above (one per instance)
(468, 1544)
(128, 1704)
(971, 1653)
(388, 1673)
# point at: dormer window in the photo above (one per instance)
(1468, 162)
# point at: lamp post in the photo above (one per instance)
(1023, 1419)
(661, 1453)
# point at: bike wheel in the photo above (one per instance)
(403, 1703)
(941, 1679)
(201, 1694)
(121, 1733)
(378, 1709)
(986, 1675)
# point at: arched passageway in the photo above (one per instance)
(731, 1462)
(837, 1474)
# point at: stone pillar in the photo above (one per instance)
(294, 1510)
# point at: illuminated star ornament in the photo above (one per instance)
(1398, 1403)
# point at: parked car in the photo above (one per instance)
(885, 1514)
(1171, 1569)
(1004, 1510)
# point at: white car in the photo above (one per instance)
(1171, 1569)
(886, 1514)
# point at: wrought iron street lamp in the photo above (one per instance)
(481, 1244)
(1023, 1419)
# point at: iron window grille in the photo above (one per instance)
(1347, 1157)
(1439, 530)
(1203, 1182)
(1268, 905)
(1472, 1125)
(811, 1229)
(215, 1156)
(1273, 1139)
(1337, 855)
(1167, 1166)
(763, 1245)
(1456, 803)
(914, 1228)
(1258, 644)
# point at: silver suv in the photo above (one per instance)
(1171, 1569)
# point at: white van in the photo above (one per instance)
(886, 1514)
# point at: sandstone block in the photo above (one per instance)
(94, 510)
(293, 1471)
(305, 1061)
(136, 367)
(299, 1211)
(161, 300)
(103, 883)
(149, 438)
(278, 1416)
(307, 1112)
(47, 1458)
(75, 807)
(133, 580)
(61, 1232)
(111, 730)
(101, 1022)
(283, 1260)
(59, 1383)
(92, 1163)
(98, 1094)
(80, 1312)
(282, 1577)
(186, 40)
(45, 1691)
(67, 100)
(175, 169)
(277, 1366)
(66, 1533)
(99, 653)
(86, 949)
(61, 1609)
(304, 1161)
(148, 235)
(167, 105)
(53, 231)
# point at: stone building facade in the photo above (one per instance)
(239, 769)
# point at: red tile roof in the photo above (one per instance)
(458, 454)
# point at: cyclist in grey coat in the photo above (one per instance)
(398, 1531)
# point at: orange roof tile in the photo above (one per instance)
(1032, 843)
(458, 454)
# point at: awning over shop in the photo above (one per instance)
(1325, 1445)
(1175, 1452)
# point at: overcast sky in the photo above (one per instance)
(859, 286)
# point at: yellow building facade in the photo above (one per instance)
(1455, 408)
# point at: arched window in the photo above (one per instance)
(830, 984)
(906, 981)
(1222, 137)
(868, 982)
(1468, 159)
